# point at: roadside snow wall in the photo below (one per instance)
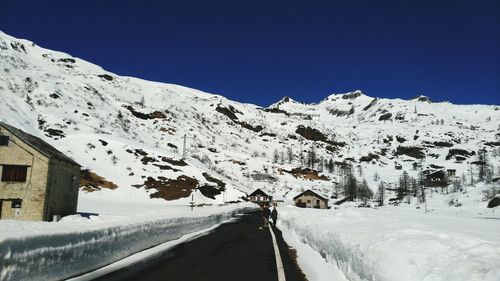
(60, 256)
(393, 245)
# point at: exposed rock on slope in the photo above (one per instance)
(132, 131)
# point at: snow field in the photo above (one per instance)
(385, 245)
(54, 253)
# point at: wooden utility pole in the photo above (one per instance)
(192, 202)
(184, 148)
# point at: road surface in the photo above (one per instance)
(234, 251)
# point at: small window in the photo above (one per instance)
(308, 201)
(4, 140)
(14, 173)
(17, 203)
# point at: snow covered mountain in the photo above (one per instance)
(131, 132)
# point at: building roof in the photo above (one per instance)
(494, 202)
(39, 144)
(437, 174)
(310, 192)
(258, 192)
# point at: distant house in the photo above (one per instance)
(398, 166)
(311, 199)
(37, 181)
(259, 197)
(436, 179)
(451, 172)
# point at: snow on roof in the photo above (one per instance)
(258, 191)
(314, 193)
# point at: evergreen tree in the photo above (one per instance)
(414, 187)
(404, 185)
(365, 192)
(352, 187)
(482, 163)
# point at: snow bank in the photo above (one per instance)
(59, 254)
(390, 245)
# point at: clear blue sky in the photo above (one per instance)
(258, 51)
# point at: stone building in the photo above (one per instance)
(311, 199)
(451, 172)
(37, 181)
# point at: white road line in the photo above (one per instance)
(279, 263)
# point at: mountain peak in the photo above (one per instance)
(352, 95)
(422, 98)
(345, 96)
(283, 100)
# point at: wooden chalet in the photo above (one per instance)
(260, 197)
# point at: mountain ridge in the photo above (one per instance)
(77, 106)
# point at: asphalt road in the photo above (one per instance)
(234, 251)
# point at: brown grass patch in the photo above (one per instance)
(307, 174)
(170, 189)
(90, 181)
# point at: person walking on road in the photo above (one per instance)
(265, 215)
(274, 216)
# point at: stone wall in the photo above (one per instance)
(62, 197)
(312, 201)
(32, 192)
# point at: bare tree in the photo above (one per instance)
(289, 153)
(365, 192)
(276, 156)
(330, 166)
(471, 175)
(302, 159)
(381, 193)
(320, 164)
(311, 159)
